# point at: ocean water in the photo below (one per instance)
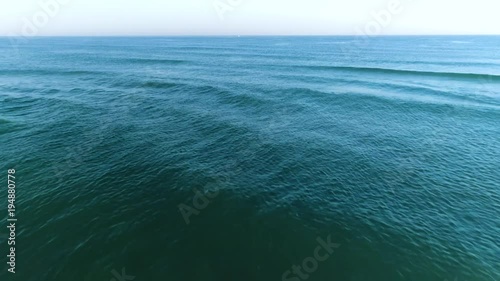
(230, 158)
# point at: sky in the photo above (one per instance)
(247, 17)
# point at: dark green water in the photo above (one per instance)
(390, 149)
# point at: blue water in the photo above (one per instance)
(390, 147)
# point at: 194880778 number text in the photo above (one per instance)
(11, 220)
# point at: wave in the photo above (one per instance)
(152, 61)
(448, 63)
(4, 121)
(461, 42)
(478, 76)
(158, 85)
(438, 100)
(59, 72)
(148, 84)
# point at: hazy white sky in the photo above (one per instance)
(224, 17)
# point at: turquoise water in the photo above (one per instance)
(391, 148)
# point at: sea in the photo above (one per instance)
(251, 158)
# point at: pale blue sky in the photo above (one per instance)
(287, 17)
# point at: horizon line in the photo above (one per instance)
(246, 35)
